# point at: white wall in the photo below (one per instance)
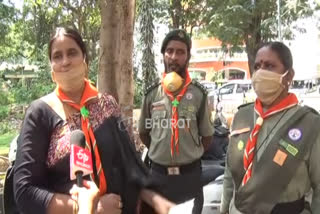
(305, 48)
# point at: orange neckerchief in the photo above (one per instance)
(288, 102)
(89, 93)
(175, 103)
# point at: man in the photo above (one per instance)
(175, 124)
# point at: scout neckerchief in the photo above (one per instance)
(175, 100)
(90, 92)
(288, 102)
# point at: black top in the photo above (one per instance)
(35, 181)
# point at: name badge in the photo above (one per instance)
(160, 105)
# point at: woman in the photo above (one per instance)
(272, 158)
(41, 176)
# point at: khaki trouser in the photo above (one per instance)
(233, 209)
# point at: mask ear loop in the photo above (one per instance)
(52, 74)
(283, 75)
(87, 68)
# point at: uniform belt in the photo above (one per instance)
(176, 170)
(294, 207)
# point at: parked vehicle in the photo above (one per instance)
(213, 162)
(307, 92)
(211, 88)
(235, 93)
(218, 148)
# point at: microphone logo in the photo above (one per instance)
(80, 160)
(82, 156)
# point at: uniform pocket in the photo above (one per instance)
(159, 125)
(188, 122)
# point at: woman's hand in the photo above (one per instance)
(159, 203)
(87, 197)
(109, 203)
(162, 205)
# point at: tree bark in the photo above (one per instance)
(116, 49)
(109, 47)
(125, 79)
(252, 41)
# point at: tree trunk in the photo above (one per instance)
(251, 57)
(175, 12)
(125, 84)
(252, 41)
(109, 47)
(116, 48)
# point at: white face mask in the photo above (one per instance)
(268, 85)
(71, 80)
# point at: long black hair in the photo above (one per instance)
(282, 51)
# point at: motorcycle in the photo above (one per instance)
(213, 163)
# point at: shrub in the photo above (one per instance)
(4, 98)
(4, 112)
(5, 127)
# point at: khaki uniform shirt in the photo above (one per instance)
(307, 175)
(193, 122)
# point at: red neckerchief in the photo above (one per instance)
(288, 102)
(89, 93)
(174, 119)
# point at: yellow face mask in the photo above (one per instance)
(268, 85)
(172, 81)
(71, 80)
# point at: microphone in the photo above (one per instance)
(80, 158)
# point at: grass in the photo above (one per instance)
(5, 141)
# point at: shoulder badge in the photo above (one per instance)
(201, 87)
(151, 87)
(244, 105)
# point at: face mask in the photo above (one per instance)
(267, 85)
(172, 81)
(71, 80)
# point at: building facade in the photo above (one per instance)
(210, 62)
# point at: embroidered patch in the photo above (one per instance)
(295, 134)
(189, 96)
(240, 145)
(280, 157)
(289, 148)
(191, 108)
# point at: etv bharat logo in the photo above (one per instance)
(150, 123)
(82, 156)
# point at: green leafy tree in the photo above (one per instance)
(237, 23)
(146, 28)
(250, 23)
(183, 14)
(7, 18)
(84, 16)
